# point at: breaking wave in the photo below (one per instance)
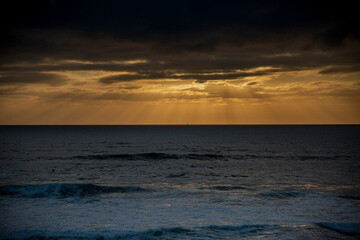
(64, 190)
(258, 231)
(345, 228)
(162, 233)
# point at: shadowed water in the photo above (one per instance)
(180, 182)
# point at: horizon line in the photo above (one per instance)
(188, 124)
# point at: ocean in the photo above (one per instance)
(180, 182)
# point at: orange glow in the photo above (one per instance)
(280, 98)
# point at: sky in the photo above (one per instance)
(179, 62)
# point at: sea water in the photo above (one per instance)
(180, 182)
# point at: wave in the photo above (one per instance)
(208, 232)
(226, 188)
(281, 195)
(243, 228)
(176, 175)
(350, 197)
(150, 156)
(64, 190)
(202, 156)
(345, 228)
(272, 231)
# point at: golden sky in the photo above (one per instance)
(292, 97)
(57, 69)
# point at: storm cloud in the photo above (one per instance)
(229, 61)
(178, 36)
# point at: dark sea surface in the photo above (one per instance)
(180, 182)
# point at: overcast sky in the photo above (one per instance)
(175, 62)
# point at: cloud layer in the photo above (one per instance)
(188, 51)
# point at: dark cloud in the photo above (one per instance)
(332, 38)
(195, 38)
(184, 25)
(130, 87)
(251, 83)
(32, 77)
(340, 69)
(154, 20)
(8, 90)
(194, 63)
(199, 77)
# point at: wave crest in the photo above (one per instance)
(208, 232)
(281, 194)
(345, 228)
(63, 190)
(227, 188)
(151, 156)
